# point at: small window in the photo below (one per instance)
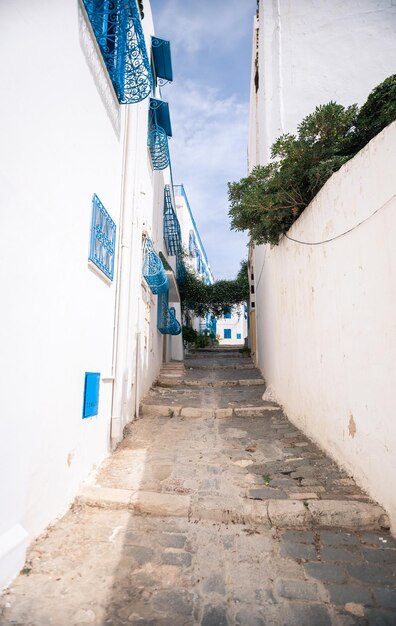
(103, 237)
(239, 336)
(251, 288)
(227, 333)
(227, 314)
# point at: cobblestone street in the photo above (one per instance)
(214, 510)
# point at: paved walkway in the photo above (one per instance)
(214, 510)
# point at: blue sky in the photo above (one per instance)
(209, 98)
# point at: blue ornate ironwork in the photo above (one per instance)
(118, 31)
(167, 323)
(172, 232)
(103, 237)
(157, 140)
(153, 269)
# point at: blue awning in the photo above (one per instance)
(162, 58)
(162, 117)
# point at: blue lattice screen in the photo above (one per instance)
(118, 31)
(157, 140)
(172, 232)
(103, 238)
(153, 269)
(167, 323)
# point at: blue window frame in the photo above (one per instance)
(239, 336)
(172, 232)
(103, 238)
(227, 314)
(227, 333)
(118, 31)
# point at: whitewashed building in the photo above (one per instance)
(84, 163)
(194, 254)
(321, 313)
(232, 326)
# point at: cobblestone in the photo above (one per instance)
(178, 538)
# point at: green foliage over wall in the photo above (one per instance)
(270, 199)
(214, 299)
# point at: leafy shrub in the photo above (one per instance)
(270, 199)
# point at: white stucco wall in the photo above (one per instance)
(236, 323)
(64, 138)
(314, 51)
(327, 332)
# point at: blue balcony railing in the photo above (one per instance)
(167, 323)
(157, 140)
(153, 269)
(172, 232)
(118, 31)
(103, 237)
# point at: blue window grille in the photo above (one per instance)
(103, 237)
(153, 269)
(227, 333)
(227, 314)
(172, 232)
(239, 336)
(91, 394)
(157, 140)
(118, 31)
(167, 323)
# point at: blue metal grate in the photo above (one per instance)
(153, 269)
(167, 323)
(227, 333)
(103, 237)
(157, 140)
(118, 31)
(172, 232)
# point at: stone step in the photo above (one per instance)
(215, 368)
(167, 410)
(208, 382)
(282, 514)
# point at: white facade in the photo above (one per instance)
(65, 138)
(232, 330)
(195, 257)
(323, 314)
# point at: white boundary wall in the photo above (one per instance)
(327, 332)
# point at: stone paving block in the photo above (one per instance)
(328, 572)
(254, 411)
(298, 551)
(176, 602)
(380, 617)
(373, 574)
(288, 514)
(303, 614)
(251, 617)
(160, 504)
(181, 559)
(331, 553)
(296, 590)
(196, 412)
(249, 382)
(103, 497)
(298, 536)
(214, 616)
(342, 514)
(305, 496)
(379, 555)
(338, 538)
(341, 594)
(159, 410)
(214, 584)
(223, 413)
(266, 493)
(385, 597)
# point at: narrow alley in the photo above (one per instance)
(214, 510)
